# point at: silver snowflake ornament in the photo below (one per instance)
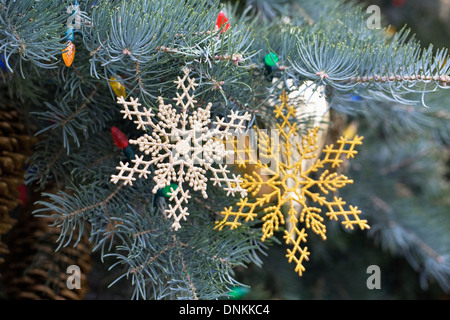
(183, 146)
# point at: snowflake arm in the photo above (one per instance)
(351, 216)
(345, 147)
(229, 128)
(143, 118)
(298, 253)
(140, 166)
(178, 211)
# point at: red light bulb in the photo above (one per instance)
(221, 20)
(398, 3)
(23, 194)
(120, 139)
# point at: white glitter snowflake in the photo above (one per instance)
(183, 146)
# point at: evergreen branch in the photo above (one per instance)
(142, 233)
(82, 107)
(55, 159)
(303, 12)
(98, 162)
(387, 209)
(43, 171)
(398, 78)
(32, 30)
(175, 243)
(153, 258)
(95, 205)
(188, 277)
(236, 58)
(405, 162)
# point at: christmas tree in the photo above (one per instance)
(205, 150)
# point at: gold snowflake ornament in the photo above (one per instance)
(182, 146)
(285, 193)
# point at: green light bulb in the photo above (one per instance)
(271, 59)
(237, 293)
(167, 189)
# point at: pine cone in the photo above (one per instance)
(15, 145)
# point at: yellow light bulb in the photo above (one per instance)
(117, 87)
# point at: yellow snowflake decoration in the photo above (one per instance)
(287, 186)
